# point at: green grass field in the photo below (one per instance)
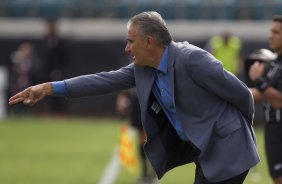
(42, 150)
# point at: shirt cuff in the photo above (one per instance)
(59, 88)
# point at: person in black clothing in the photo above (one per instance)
(267, 78)
(54, 57)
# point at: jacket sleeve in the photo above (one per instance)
(208, 72)
(101, 83)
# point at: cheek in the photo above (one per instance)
(279, 40)
(273, 39)
(276, 41)
(137, 50)
(134, 48)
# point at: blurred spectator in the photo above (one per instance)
(54, 57)
(26, 70)
(266, 73)
(128, 107)
(226, 48)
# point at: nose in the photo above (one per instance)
(127, 49)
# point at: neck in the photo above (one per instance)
(157, 54)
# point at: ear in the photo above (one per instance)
(150, 41)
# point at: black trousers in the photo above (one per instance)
(200, 178)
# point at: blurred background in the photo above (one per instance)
(89, 36)
(47, 40)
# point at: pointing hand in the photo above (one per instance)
(32, 95)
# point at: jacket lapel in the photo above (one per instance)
(145, 77)
(148, 85)
(171, 60)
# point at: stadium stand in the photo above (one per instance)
(170, 9)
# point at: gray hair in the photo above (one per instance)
(277, 18)
(152, 24)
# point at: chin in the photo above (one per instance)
(137, 63)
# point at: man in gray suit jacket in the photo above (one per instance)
(192, 109)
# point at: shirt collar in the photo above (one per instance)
(163, 63)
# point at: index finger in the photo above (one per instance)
(12, 102)
(19, 97)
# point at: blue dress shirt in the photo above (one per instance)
(163, 93)
(59, 88)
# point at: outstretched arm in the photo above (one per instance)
(81, 86)
(32, 95)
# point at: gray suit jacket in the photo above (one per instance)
(215, 109)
